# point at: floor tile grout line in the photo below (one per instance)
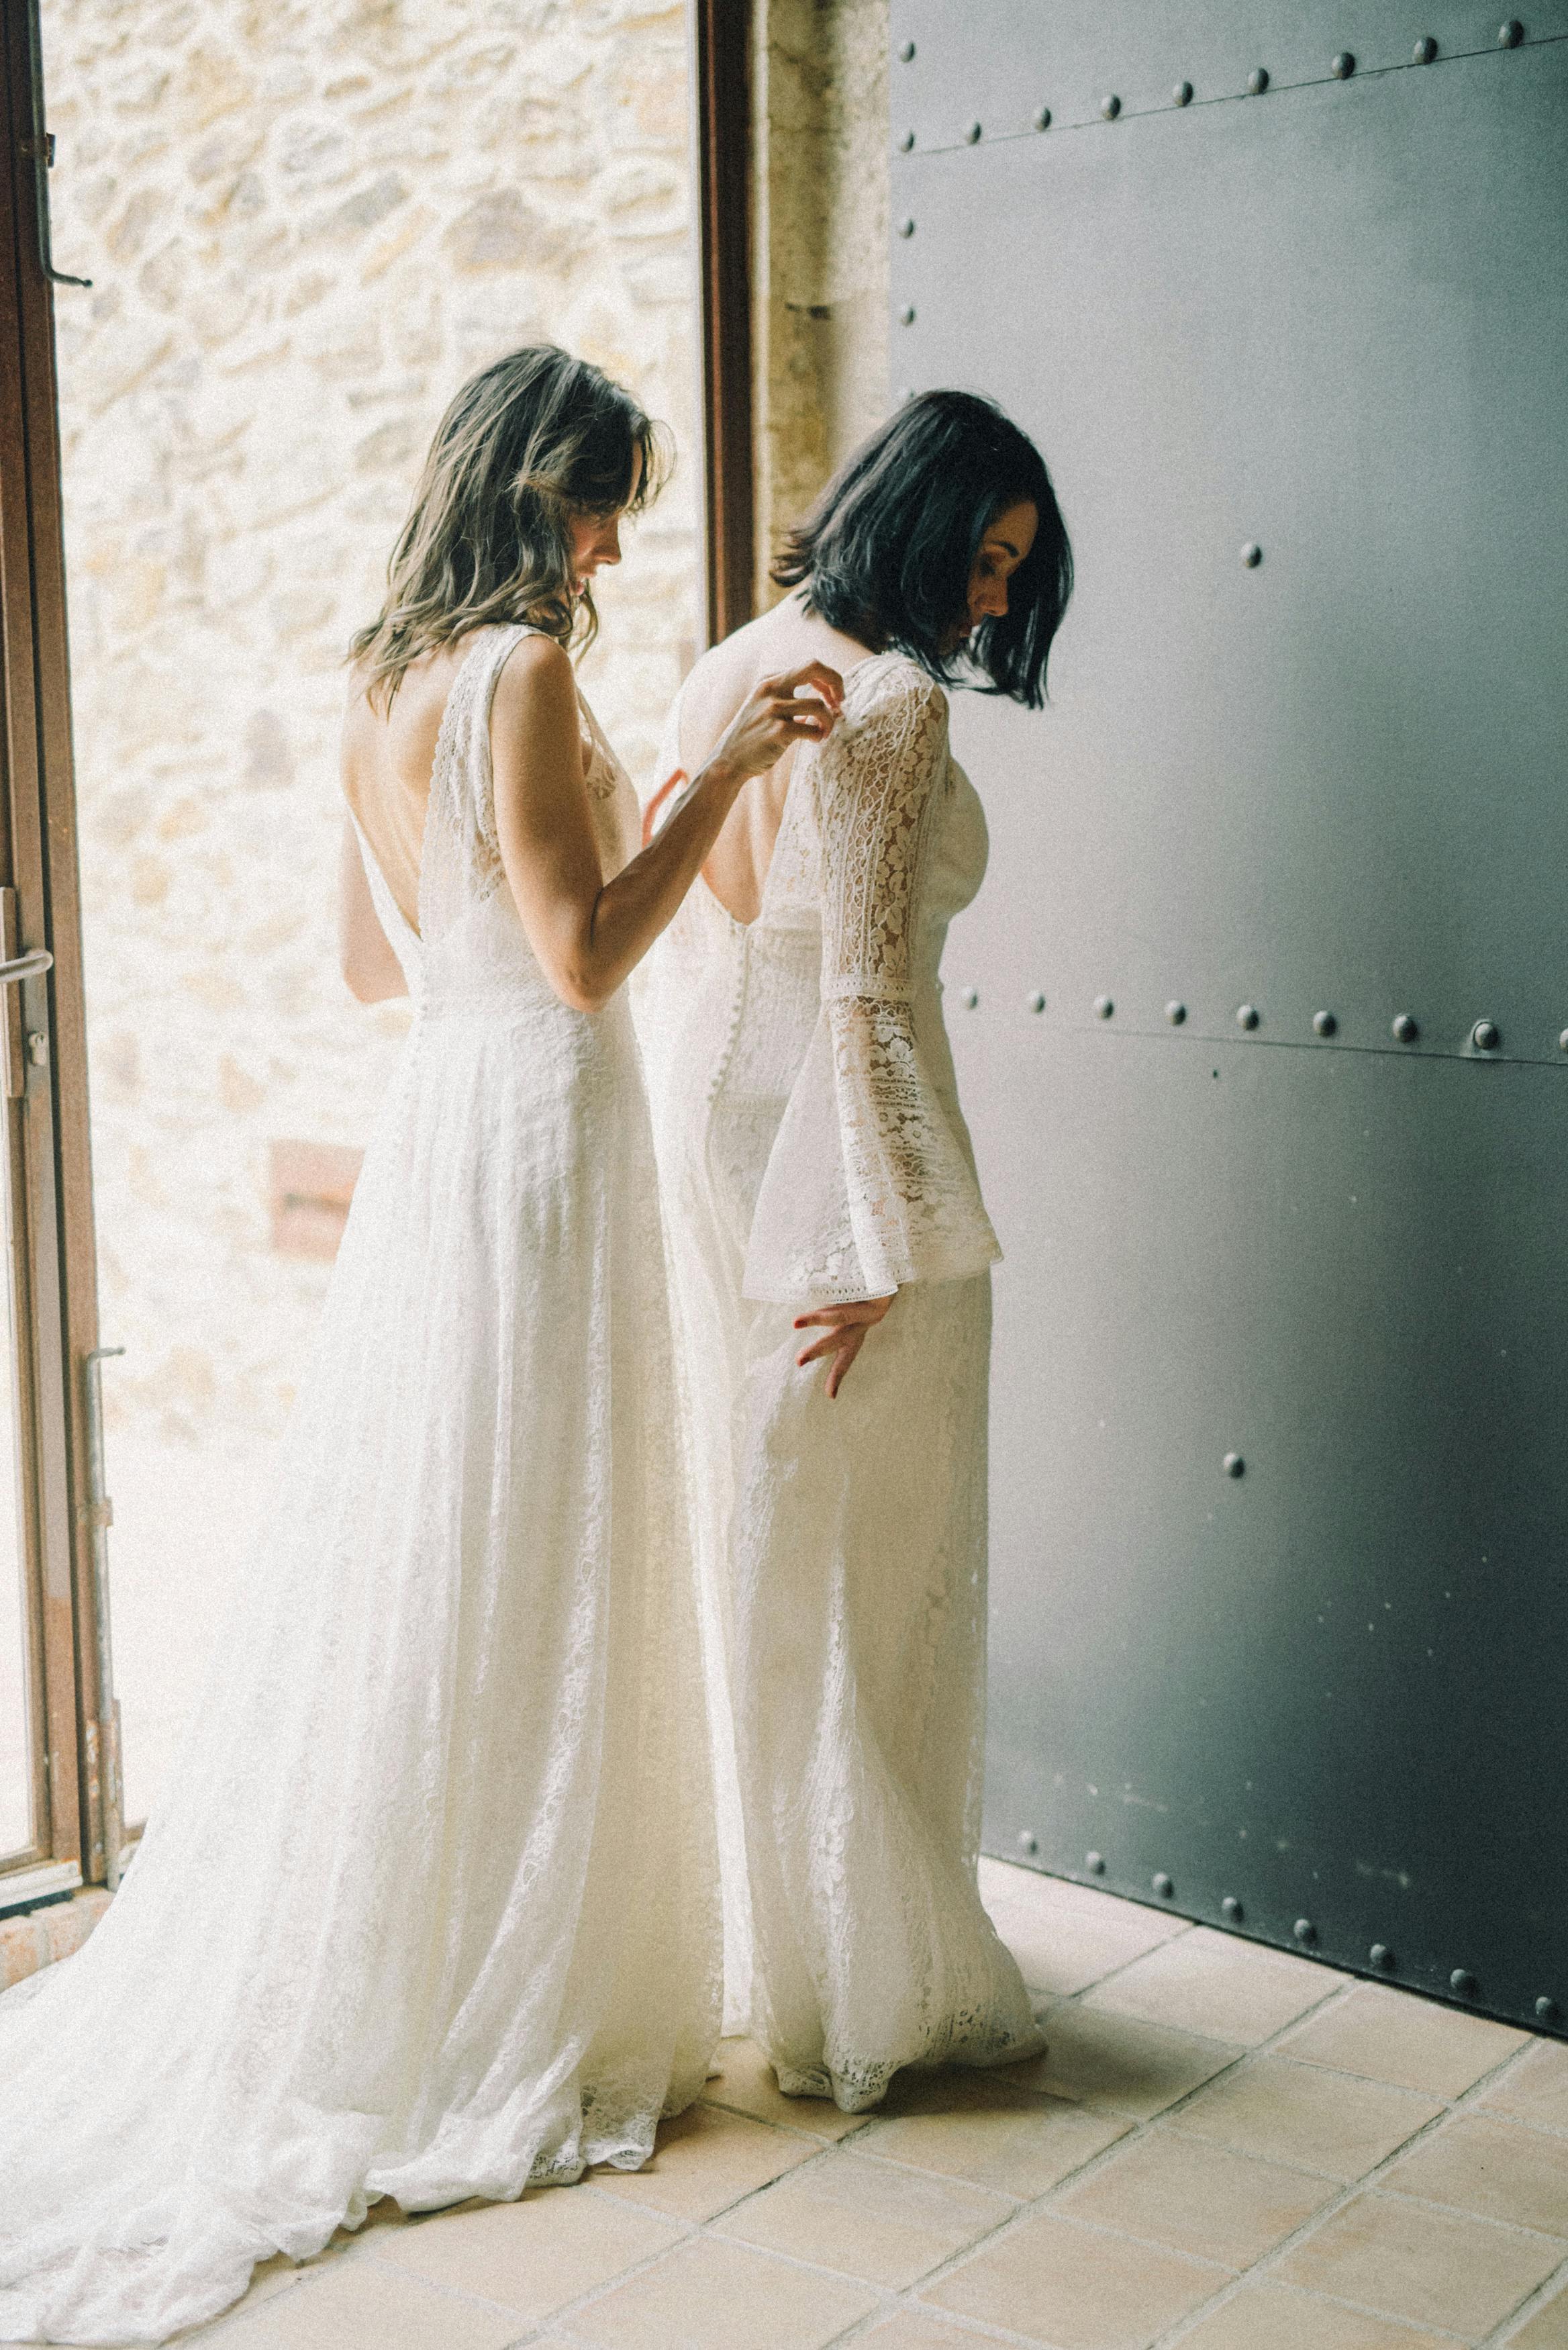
(708, 2231)
(1337, 1978)
(444, 2291)
(1186, 2326)
(1556, 2131)
(1488, 2219)
(790, 2129)
(722, 2211)
(1138, 2125)
(1341, 1985)
(564, 2312)
(1145, 2124)
(1542, 2297)
(969, 2329)
(860, 2139)
(1369, 2182)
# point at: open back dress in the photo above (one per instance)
(429, 1909)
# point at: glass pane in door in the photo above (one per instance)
(303, 229)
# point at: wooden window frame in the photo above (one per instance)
(720, 83)
(54, 1255)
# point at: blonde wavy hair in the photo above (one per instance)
(530, 441)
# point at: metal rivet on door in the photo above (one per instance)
(1462, 1982)
(970, 997)
(1176, 1011)
(1381, 1957)
(907, 53)
(1344, 66)
(906, 315)
(1028, 1841)
(1258, 81)
(906, 228)
(1325, 1023)
(1162, 1885)
(1485, 1036)
(1247, 1015)
(1042, 117)
(1095, 1862)
(1510, 33)
(1233, 1465)
(1305, 1930)
(1425, 50)
(974, 133)
(1230, 1908)
(1104, 1007)
(1182, 94)
(1403, 1028)
(1037, 1001)
(907, 142)
(1110, 106)
(1547, 2011)
(1252, 555)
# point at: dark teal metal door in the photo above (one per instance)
(1280, 1554)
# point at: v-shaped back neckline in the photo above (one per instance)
(446, 736)
(801, 760)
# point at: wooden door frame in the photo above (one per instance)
(722, 96)
(57, 1316)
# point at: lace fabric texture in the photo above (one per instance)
(811, 1146)
(870, 1185)
(430, 1907)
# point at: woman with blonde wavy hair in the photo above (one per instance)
(430, 1909)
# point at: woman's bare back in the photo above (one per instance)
(737, 866)
(386, 763)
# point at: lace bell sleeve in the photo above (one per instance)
(870, 1183)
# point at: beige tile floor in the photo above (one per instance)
(1227, 2148)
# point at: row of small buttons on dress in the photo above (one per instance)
(737, 1007)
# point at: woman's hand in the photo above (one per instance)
(801, 706)
(845, 1328)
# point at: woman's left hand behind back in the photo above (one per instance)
(844, 1331)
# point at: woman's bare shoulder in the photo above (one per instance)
(533, 659)
(537, 681)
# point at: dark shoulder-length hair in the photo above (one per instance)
(529, 441)
(886, 552)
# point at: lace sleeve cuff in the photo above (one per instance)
(870, 1185)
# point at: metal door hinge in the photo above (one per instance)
(40, 151)
(14, 969)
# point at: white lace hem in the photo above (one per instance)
(868, 1186)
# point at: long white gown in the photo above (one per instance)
(812, 1149)
(430, 1909)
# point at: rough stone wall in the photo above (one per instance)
(304, 226)
(820, 198)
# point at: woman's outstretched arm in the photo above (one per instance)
(588, 933)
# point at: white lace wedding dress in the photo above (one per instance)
(430, 1908)
(812, 1149)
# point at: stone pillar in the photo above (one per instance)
(820, 195)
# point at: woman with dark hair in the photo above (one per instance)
(430, 1909)
(818, 1180)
